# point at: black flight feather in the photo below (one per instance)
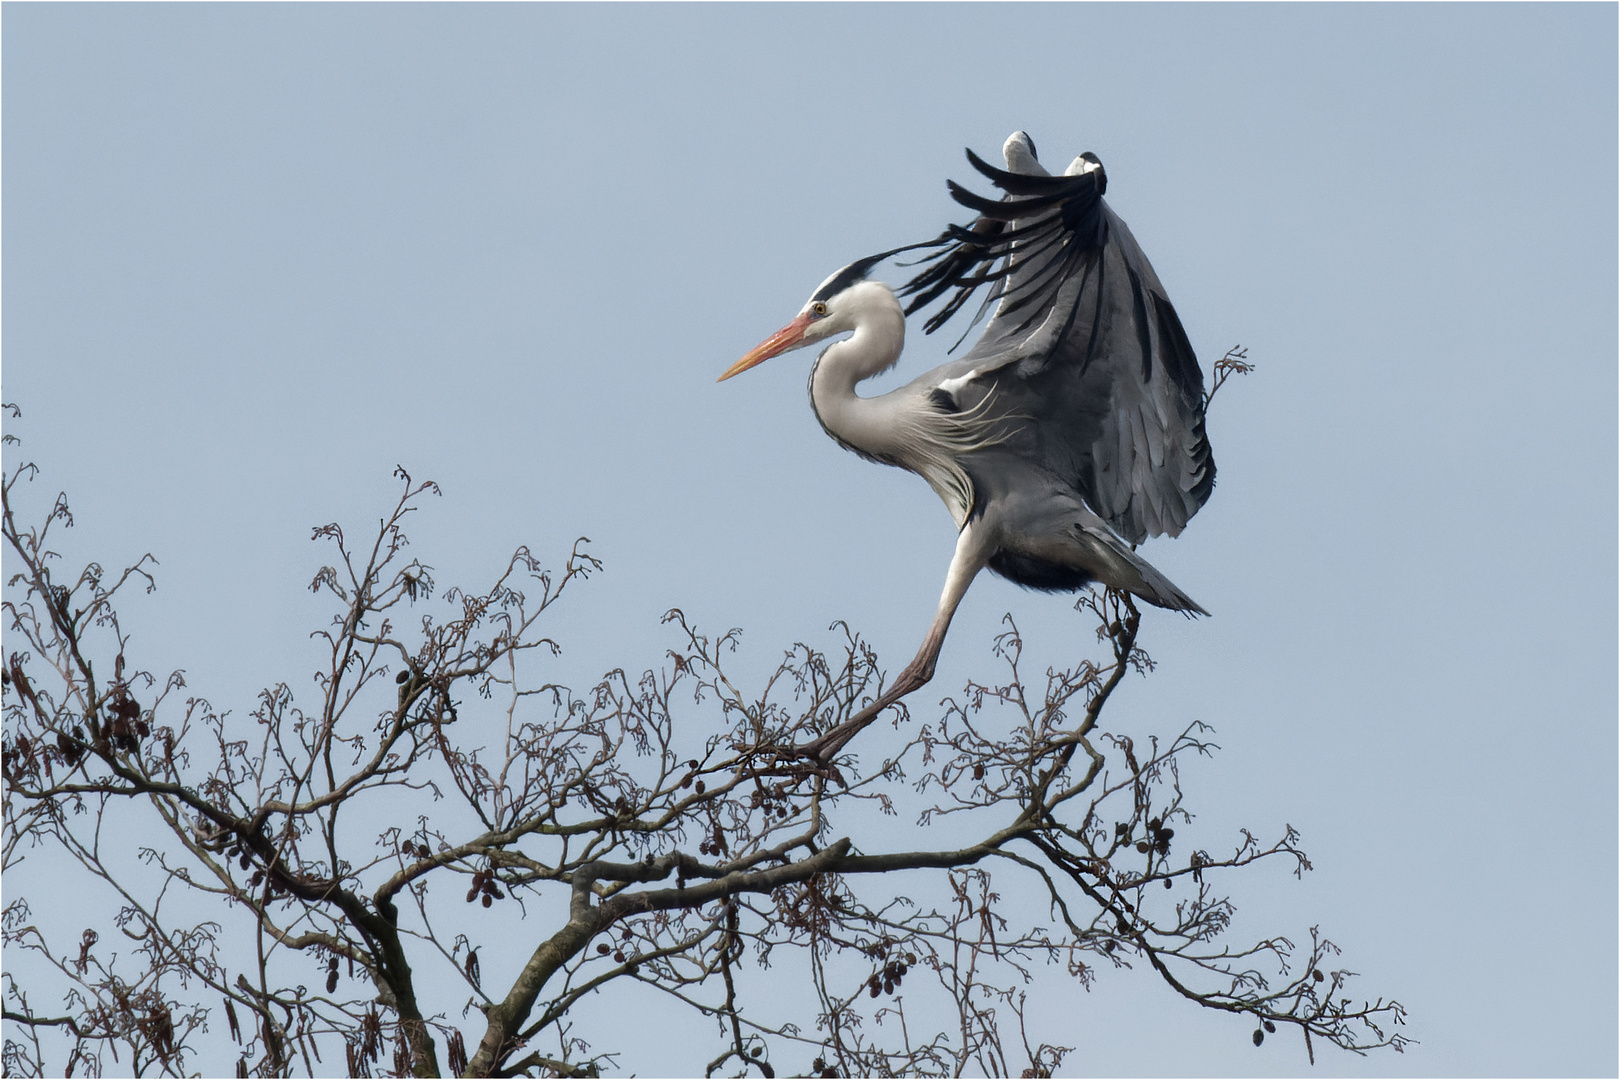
(1081, 340)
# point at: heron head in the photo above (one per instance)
(840, 304)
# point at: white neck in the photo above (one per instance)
(864, 424)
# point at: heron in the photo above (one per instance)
(1072, 430)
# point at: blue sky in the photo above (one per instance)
(256, 256)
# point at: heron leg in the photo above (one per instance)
(969, 559)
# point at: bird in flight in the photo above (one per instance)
(1071, 432)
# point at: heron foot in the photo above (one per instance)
(826, 746)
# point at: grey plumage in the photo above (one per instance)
(1093, 361)
(1071, 431)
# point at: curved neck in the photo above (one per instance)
(863, 424)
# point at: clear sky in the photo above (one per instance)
(256, 256)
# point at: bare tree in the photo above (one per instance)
(469, 863)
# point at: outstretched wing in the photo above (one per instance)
(1084, 352)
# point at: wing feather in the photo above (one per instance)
(1084, 354)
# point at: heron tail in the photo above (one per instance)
(1117, 565)
(1160, 591)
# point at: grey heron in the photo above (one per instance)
(1072, 431)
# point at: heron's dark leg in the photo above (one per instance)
(969, 559)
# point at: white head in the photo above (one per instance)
(845, 302)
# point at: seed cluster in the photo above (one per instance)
(887, 980)
(484, 882)
(1158, 838)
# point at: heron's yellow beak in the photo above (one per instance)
(780, 342)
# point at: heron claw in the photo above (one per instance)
(823, 747)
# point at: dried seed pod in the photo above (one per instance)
(818, 1064)
(331, 981)
(618, 956)
(1142, 846)
(1316, 973)
(603, 950)
(875, 990)
(472, 894)
(699, 787)
(1259, 1036)
(978, 770)
(1271, 1029)
(1168, 883)
(911, 958)
(488, 900)
(627, 935)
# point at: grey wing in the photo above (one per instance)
(1084, 355)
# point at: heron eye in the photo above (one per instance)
(819, 308)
